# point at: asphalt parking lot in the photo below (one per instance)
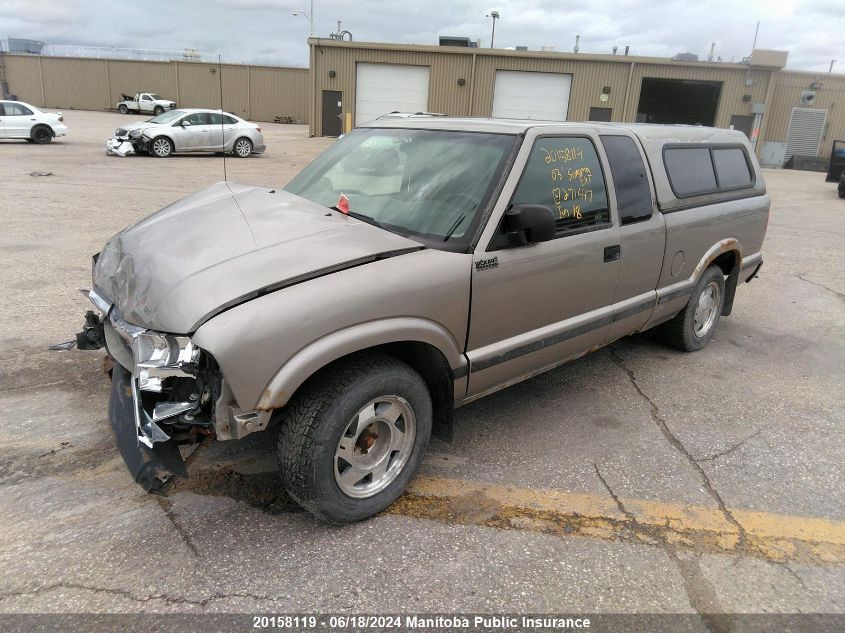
(635, 480)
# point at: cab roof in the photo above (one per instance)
(647, 132)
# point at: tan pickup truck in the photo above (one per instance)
(413, 267)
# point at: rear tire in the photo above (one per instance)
(242, 147)
(41, 134)
(693, 327)
(354, 436)
(161, 147)
(123, 109)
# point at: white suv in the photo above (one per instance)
(22, 120)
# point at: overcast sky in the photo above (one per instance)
(265, 31)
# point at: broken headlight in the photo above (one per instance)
(135, 134)
(160, 356)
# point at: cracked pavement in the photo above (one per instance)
(723, 443)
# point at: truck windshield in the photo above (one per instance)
(167, 117)
(428, 184)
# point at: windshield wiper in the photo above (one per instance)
(360, 216)
(454, 227)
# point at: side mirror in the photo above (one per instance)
(529, 224)
(185, 124)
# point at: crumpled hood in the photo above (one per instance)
(223, 245)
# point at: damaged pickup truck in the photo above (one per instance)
(354, 309)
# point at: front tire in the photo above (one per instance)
(161, 147)
(157, 110)
(693, 327)
(354, 436)
(41, 134)
(242, 148)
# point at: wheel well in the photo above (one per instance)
(430, 363)
(38, 125)
(729, 262)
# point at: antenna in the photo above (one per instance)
(222, 127)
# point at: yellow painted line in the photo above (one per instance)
(764, 535)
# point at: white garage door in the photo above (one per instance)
(383, 88)
(526, 95)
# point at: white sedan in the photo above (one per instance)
(188, 130)
(22, 120)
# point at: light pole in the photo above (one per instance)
(495, 16)
(308, 16)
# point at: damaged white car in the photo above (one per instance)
(188, 130)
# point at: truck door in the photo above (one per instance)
(642, 235)
(145, 103)
(538, 305)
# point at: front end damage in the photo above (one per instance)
(126, 142)
(166, 393)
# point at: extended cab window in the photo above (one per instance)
(630, 179)
(564, 174)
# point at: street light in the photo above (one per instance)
(495, 16)
(308, 16)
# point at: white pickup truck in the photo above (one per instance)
(145, 102)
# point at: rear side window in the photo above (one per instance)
(731, 168)
(16, 109)
(630, 178)
(690, 170)
(229, 120)
(564, 174)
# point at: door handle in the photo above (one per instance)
(612, 253)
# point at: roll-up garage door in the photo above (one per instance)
(530, 95)
(806, 126)
(383, 88)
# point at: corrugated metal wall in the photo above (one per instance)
(279, 92)
(23, 75)
(253, 92)
(830, 96)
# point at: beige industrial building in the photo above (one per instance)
(784, 112)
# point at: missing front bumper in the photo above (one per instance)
(149, 467)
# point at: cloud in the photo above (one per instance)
(264, 31)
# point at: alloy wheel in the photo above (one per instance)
(375, 446)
